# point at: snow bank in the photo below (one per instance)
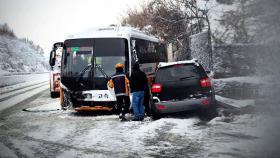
(223, 83)
(234, 102)
(246, 87)
(244, 79)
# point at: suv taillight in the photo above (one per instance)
(205, 82)
(156, 88)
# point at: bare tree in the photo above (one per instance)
(238, 25)
(6, 30)
(172, 20)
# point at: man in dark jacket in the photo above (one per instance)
(120, 83)
(138, 83)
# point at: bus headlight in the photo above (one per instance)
(87, 96)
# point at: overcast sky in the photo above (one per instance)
(49, 21)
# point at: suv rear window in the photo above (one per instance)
(177, 72)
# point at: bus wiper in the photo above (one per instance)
(102, 71)
(83, 72)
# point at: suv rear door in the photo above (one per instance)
(180, 81)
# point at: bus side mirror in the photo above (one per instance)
(53, 52)
(57, 45)
(52, 58)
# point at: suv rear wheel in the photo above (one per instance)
(208, 113)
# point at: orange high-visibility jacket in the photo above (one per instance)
(120, 83)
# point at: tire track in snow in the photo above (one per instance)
(21, 97)
(26, 86)
(20, 91)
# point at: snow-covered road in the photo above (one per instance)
(43, 130)
(10, 81)
(17, 88)
(37, 127)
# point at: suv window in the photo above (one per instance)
(177, 72)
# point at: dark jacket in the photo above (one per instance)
(138, 80)
(120, 83)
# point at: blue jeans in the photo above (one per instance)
(138, 104)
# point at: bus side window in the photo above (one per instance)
(126, 57)
(162, 52)
(64, 58)
(65, 55)
(151, 47)
(139, 50)
(142, 50)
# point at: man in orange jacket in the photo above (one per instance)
(120, 83)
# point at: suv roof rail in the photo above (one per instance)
(195, 60)
(164, 64)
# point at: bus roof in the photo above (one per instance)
(113, 32)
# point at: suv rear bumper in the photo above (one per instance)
(182, 105)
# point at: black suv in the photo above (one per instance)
(181, 86)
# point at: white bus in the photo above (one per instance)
(55, 63)
(89, 58)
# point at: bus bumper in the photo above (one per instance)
(95, 108)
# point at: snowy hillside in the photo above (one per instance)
(18, 56)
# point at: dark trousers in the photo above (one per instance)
(123, 103)
(138, 104)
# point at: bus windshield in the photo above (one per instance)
(101, 52)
